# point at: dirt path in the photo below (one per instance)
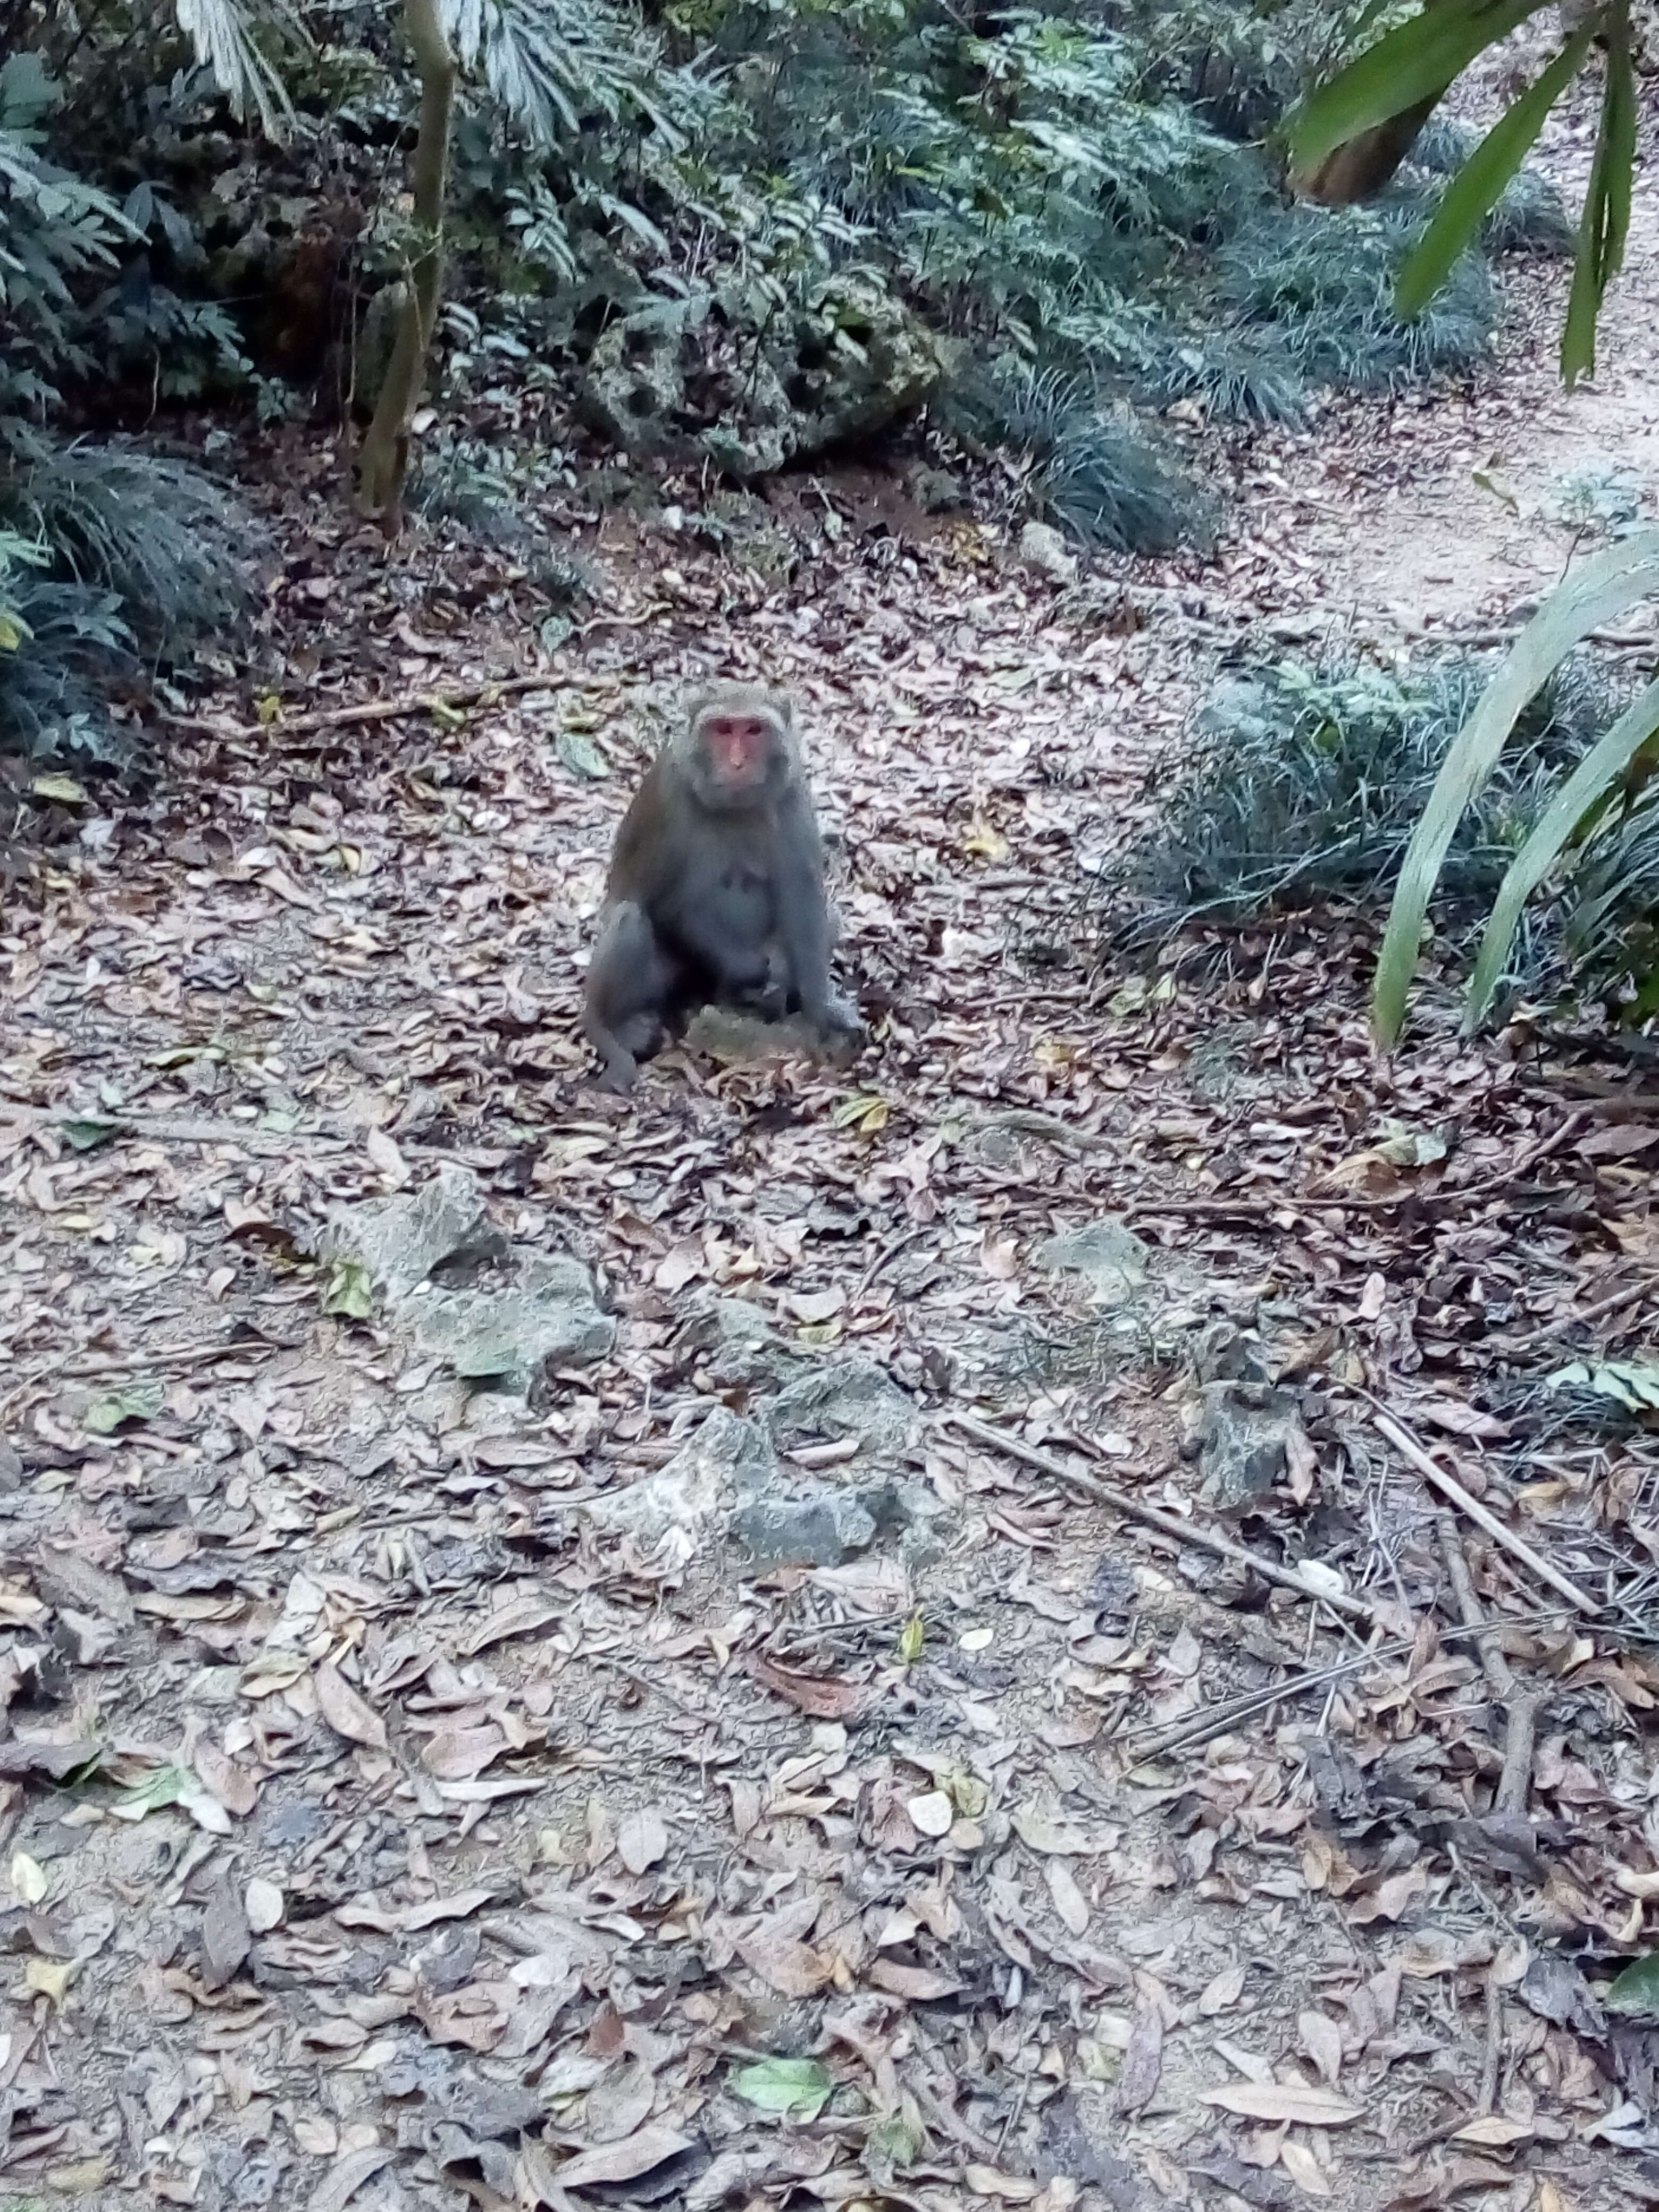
(415, 1797)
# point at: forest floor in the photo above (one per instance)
(413, 1794)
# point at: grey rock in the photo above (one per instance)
(937, 491)
(423, 1251)
(634, 392)
(729, 1458)
(547, 1316)
(398, 1241)
(845, 391)
(1110, 1258)
(730, 1035)
(1043, 549)
(685, 381)
(822, 1526)
(846, 1398)
(739, 1346)
(823, 1529)
(1224, 1353)
(1241, 1434)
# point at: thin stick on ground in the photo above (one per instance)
(1632, 1294)
(1492, 2061)
(1496, 1666)
(1252, 1204)
(1407, 1444)
(1106, 1493)
(365, 710)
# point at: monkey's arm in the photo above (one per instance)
(804, 926)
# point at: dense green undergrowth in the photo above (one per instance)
(1063, 206)
(1299, 788)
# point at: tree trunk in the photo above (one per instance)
(1359, 169)
(382, 462)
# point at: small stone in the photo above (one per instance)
(264, 1904)
(547, 1316)
(823, 1529)
(1111, 1258)
(1224, 1354)
(846, 1398)
(1242, 1434)
(1045, 549)
(729, 1457)
(398, 1241)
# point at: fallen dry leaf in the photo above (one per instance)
(1302, 2106)
(648, 2147)
(345, 1712)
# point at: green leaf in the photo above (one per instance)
(349, 1291)
(63, 788)
(793, 2088)
(1605, 222)
(1631, 1383)
(1636, 1989)
(581, 756)
(1416, 62)
(893, 2143)
(86, 1136)
(1480, 183)
(1603, 588)
(162, 1787)
(140, 1402)
(1589, 782)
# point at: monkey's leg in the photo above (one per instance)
(769, 994)
(631, 980)
(806, 930)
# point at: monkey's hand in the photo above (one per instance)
(619, 1075)
(840, 1028)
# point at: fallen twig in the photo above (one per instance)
(1515, 1783)
(1493, 1658)
(1491, 2063)
(1106, 1493)
(159, 1130)
(1215, 1720)
(364, 710)
(1407, 1446)
(1631, 1295)
(1026, 1122)
(1322, 1202)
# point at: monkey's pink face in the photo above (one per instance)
(739, 748)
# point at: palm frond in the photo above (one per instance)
(549, 62)
(224, 33)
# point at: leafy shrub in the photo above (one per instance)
(1093, 472)
(163, 541)
(1321, 281)
(1308, 784)
(53, 229)
(1233, 379)
(1587, 807)
(1531, 217)
(52, 685)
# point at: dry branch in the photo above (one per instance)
(1106, 1493)
(1449, 1487)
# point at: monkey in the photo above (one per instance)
(715, 894)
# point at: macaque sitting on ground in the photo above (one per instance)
(716, 893)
